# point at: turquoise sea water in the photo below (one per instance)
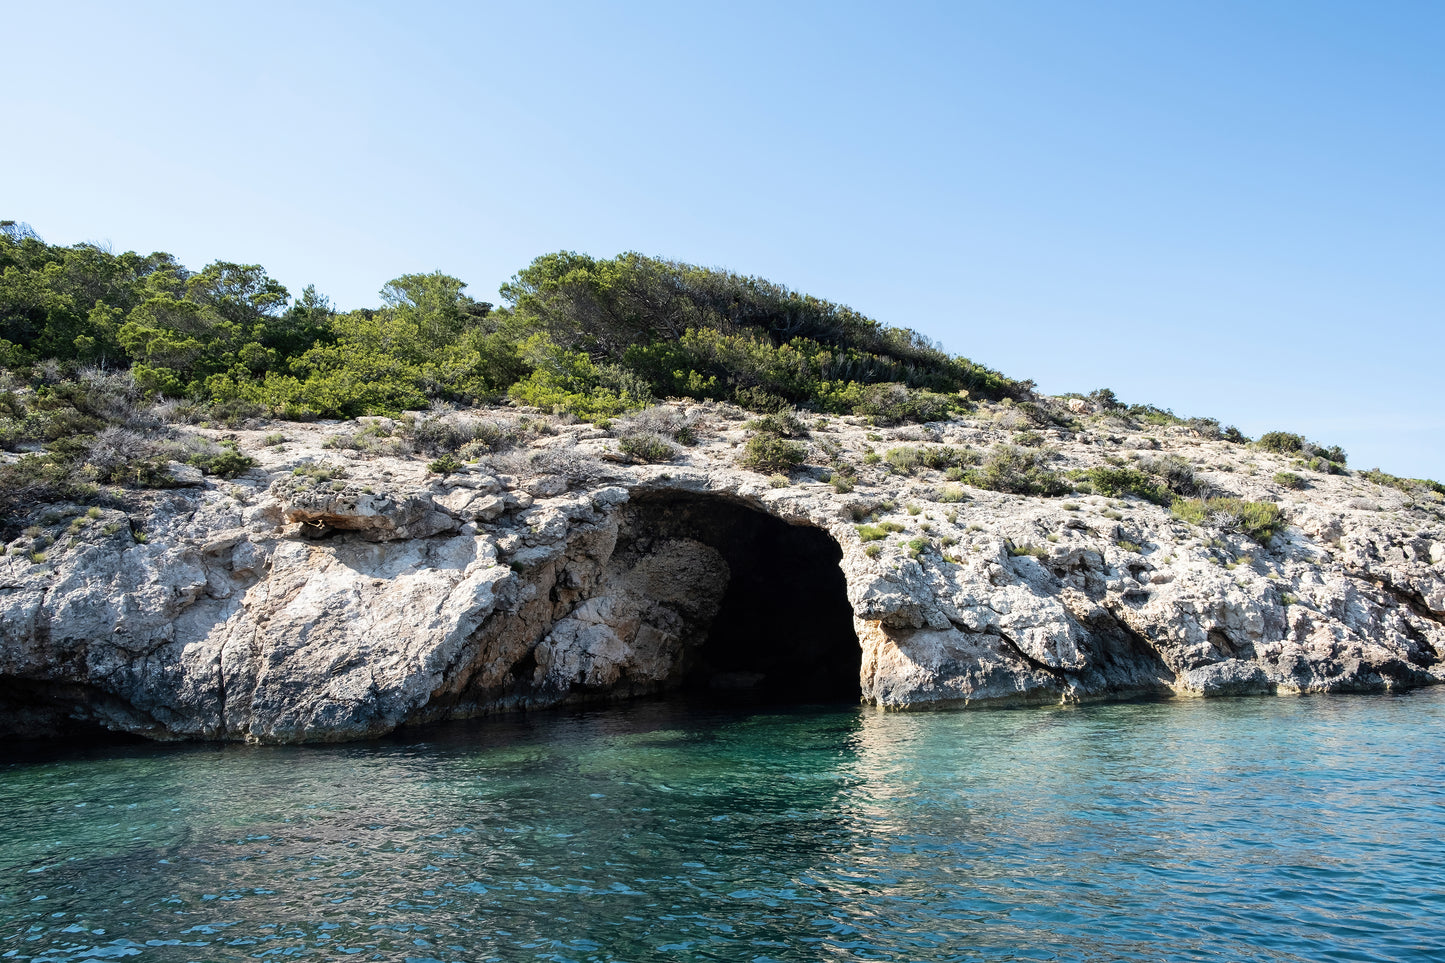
(1252, 829)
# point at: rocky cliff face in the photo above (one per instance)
(365, 592)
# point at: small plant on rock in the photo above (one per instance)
(767, 452)
(646, 446)
(444, 465)
(1259, 520)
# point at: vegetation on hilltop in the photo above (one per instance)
(101, 352)
(593, 337)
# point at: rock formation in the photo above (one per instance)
(365, 592)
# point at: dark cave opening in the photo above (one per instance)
(784, 630)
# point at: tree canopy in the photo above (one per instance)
(594, 336)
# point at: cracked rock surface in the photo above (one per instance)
(288, 607)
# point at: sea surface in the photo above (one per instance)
(1302, 829)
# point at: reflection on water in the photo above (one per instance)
(1258, 829)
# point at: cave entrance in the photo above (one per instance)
(784, 629)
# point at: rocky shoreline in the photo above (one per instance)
(345, 586)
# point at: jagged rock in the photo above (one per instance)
(185, 476)
(278, 608)
(376, 516)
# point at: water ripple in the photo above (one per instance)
(1255, 829)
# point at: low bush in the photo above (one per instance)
(872, 533)
(904, 460)
(1289, 443)
(1017, 471)
(890, 404)
(1259, 520)
(646, 446)
(1115, 482)
(1288, 479)
(1325, 466)
(1408, 485)
(227, 461)
(1280, 443)
(766, 452)
(448, 433)
(1175, 472)
(664, 421)
(783, 424)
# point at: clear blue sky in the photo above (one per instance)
(1233, 209)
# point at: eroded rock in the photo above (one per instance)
(290, 609)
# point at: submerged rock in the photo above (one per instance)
(340, 604)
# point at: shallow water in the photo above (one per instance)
(1252, 829)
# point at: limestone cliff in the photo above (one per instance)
(365, 592)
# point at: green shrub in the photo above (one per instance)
(767, 453)
(871, 533)
(783, 424)
(1283, 442)
(444, 465)
(140, 473)
(904, 460)
(1104, 399)
(917, 546)
(646, 447)
(952, 493)
(1408, 485)
(1037, 551)
(1259, 520)
(1175, 472)
(754, 398)
(946, 457)
(229, 462)
(1016, 471)
(842, 484)
(1288, 443)
(1115, 482)
(318, 472)
(1288, 479)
